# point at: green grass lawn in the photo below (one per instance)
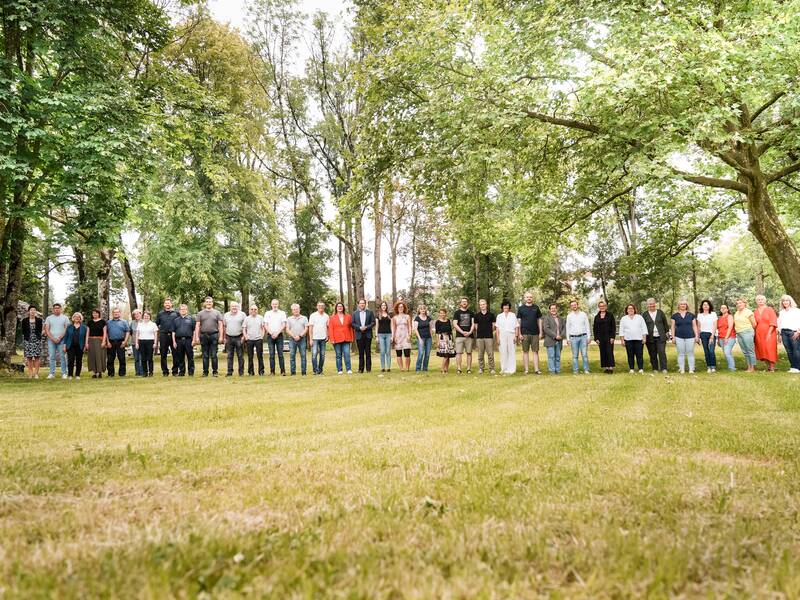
(402, 486)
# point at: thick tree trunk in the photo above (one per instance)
(376, 252)
(341, 274)
(127, 275)
(477, 263)
(46, 287)
(348, 270)
(412, 284)
(104, 281)
(358, 259)
(11, 256)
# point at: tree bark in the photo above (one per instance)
(104, 281)
(11, 256)
(127, 275)
(376, 252)
(341, 274)
(358, 259)
(46, 286)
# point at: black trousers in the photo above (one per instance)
(255, 347)
(184, 356)
(233, 343)
(209, 343)
(635, 350)
(116, 352)
(165, 342)
(657, 349)
(606, 353)
(364, 353)
(146, 357)
(75, 360)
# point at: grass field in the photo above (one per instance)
(402, 486)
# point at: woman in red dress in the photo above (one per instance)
(766, 333)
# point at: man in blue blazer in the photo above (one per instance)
(363, 324)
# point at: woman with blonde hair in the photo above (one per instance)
(401, 334)
(766, 337)
(686, 334)
(422, 330)
(74, 344)
(789, 327)
(745, 324)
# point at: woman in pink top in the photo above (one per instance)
(726, 334)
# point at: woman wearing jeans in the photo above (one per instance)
(745, 323)
(707, 321)
(726, 334)
(789, 326)
(686, 335)
(422, 329)
(384, 321)
(340, 332)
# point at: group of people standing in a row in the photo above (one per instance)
(466, 332)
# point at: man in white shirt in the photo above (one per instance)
(233, 322)
(578, 334)
(253, 333)
(318, 330)
(275, 322)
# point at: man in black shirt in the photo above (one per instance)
(530, 320)
(166, 327)
(484, 334)
(464, 326)
(182, 338)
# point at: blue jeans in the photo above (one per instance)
(137, 361)
(580, 345)
(293, 347)
(317, 356)
(747, 343)
(275, 346)
(792, 348)
(685, 348)
(423, 353)
(554, 357)
(385, 349)
(342, 348)
(709, 344)
(54, 350)
(727, 349)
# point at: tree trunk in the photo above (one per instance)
(11, 256)
(412, 284)
(245, 291)
(127, 275)
(376, 253)
(348, 268)
(104, 281)
(477, 261)
(341, 274)
(358, 260)
(46, 285)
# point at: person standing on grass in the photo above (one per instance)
(136, 318)
(726, 334)
(98, 339)
(145, 340)
(118, 332)
(340, 331)
(75, 340)
(363, 324)
(275, 322)
(484, 335)
(165, 321)
(384, 320)
(297, 329)
(464, 325)
(208, 331)
(32, 334)
(401, 335)
(605, 330)
(686, 334)
(530, 323)
(507, 328)
(182, 341)
(745, 323)
(422, 331)
(766, 336)
(318, 331)
(707, 324)
(233, 325)
(633, 333)
(578, 336)
(554, 330)
(55, 327)
(253, 332)
(789, 327)
(445, 349)
(658, 327)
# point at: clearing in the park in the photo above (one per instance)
(403, 485)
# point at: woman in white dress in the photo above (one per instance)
(507, 335)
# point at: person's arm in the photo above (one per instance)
(623, 330)
(127, 337)
(47, 331)
(392, 326)
(644, 329)
(696, 328)
(672, 329)
(105, 336)
(752, 321)
(414, 329)
(174, 340)
(244, 331)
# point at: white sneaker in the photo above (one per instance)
(664, 371)
(526, 371)
(480, 371)
(64, 376)
(680, 371)
(340, 372)
(793, 370)
(349, 372)
(77, 376)
(709, 370)
(641, 371)
(691, 372)
(51, 376)
(631, 371)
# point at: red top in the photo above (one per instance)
(340, 330)
(722, 327)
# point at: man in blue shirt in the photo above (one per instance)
(182, 337)
(118, 334)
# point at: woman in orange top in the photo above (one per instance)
(340, 333)
(766, 333)
(726, 334)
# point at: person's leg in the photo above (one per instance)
(407, 355)
(314, 355)
(251, 347)
(639, 351)
(302, 346)
(70, 361)
(690, 354)
(229, 349)
(418, 366)
(535, 349)
(110, 354)
(337, 348)
(368, 351)
(178, 359)
(428, 344)
(585, 353)
(346, 352)
(62, 355)
(361, 358)
(469, 347)
(292, 357)
(705, 338)
(652, 352)
(381, 351)
(727, 350)
(323, 346)
(559, 347)
(122, 368)
(551, 358)
(490, 353)
(51, 356)
(630, 354)
(279, 350)
(480, 348)
(240, 355)
(271, 348)
(679, 348)
(661, 345)
(188, 353)
(575, 352)
(526, 347)
(795, 346)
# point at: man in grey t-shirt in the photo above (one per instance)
(234, 326)
(55, 328)
(297, 328)
(207, 333)
(254, 339)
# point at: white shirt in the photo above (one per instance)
(578, 324)
(275, 321)
(506, 323)
(146, 330)
(653, 319)
(319, 324)
(707, 322)
(789, 319)
(632, 328)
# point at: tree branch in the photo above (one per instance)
(596, 208)
(714, 182)
(775, 97)
(570, 123)
(793, 168)
(686, 243)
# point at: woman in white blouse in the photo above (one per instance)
(145, 340)
(507, 334)
(789, 327)
(633, 333)
(707, 320)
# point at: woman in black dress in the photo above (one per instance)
(32, 342)
(605, 330)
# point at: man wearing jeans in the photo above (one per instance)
(207, 333)
(118, 334)
(254, 340)
(318, 331)
(233, 322)
(275, 322)
(578, 334)
(55, 327)
(297, 328)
